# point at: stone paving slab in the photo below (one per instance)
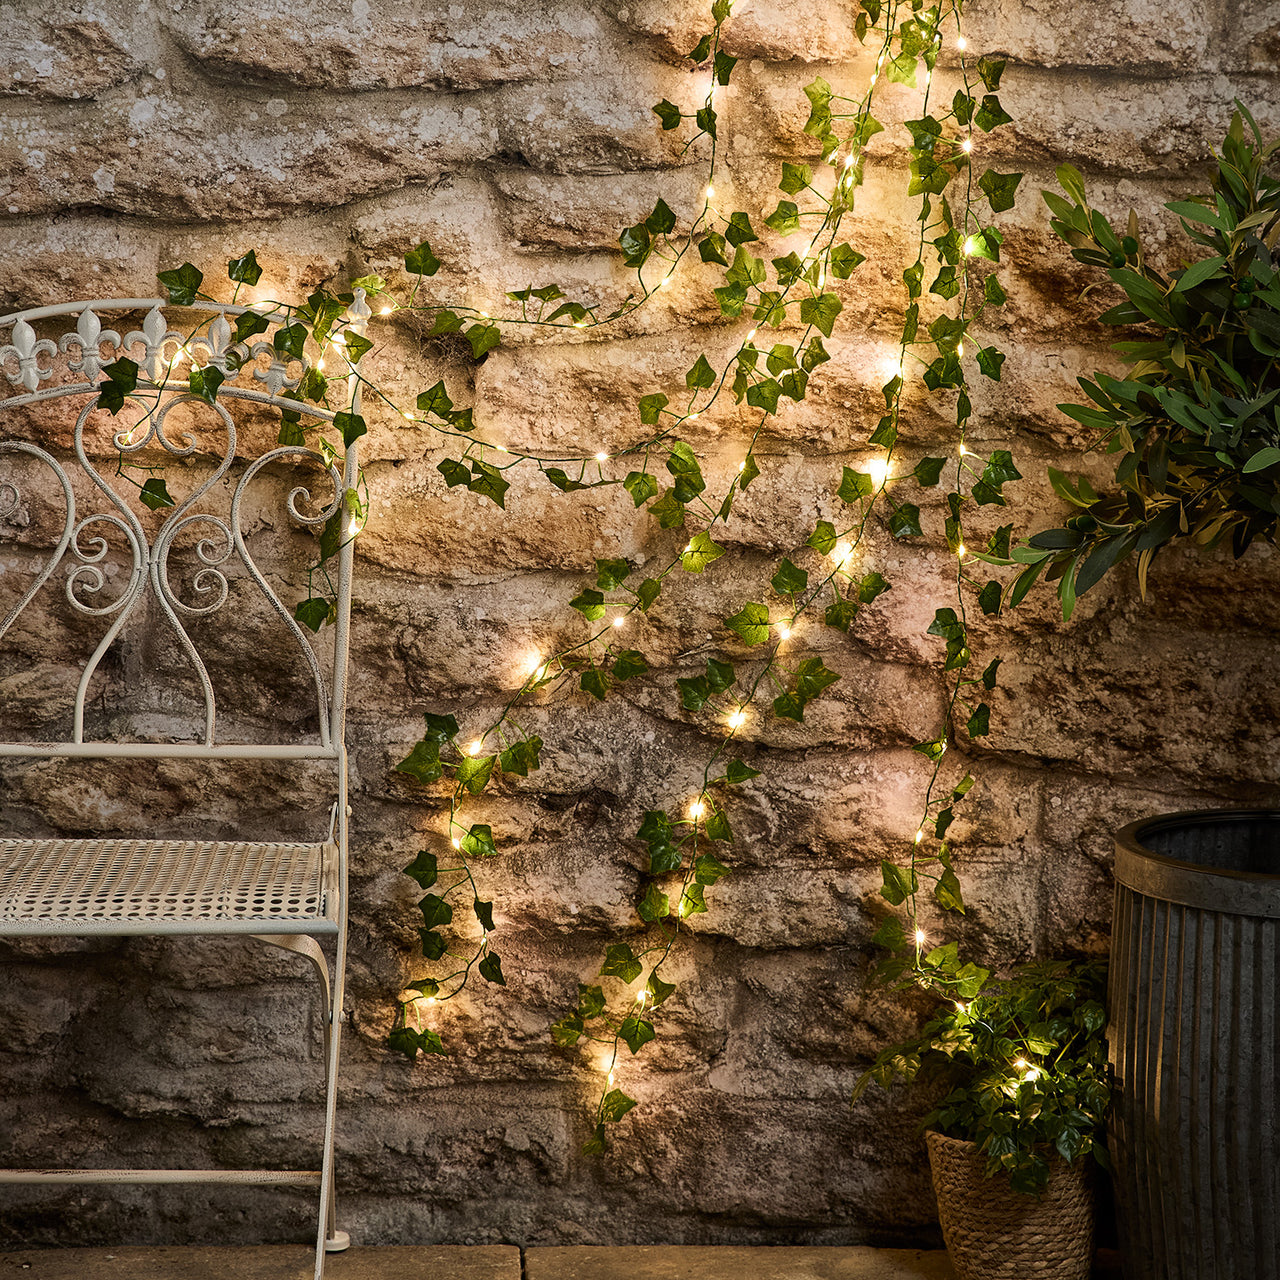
(269, 1262)
(732, 1262)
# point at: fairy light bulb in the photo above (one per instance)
(737, 719)
(960, 550)
(1032, 1075)
(961, 1007)
(1021, 1064)
(878, 470)
(742, 466)
(784, 631)
(961, 43)
(602, 456)
(408, 417)
(501, 448)
(533, 663)
(384, 311)
(354, 525)
(619, 621)
(920, 938)
(474, 748)
(851, 159)
(484, 315)
(969, 246)
(320, 364)
(579, 324)
(429, 1000)
(840, 553)
(919, 835)
(711, 192)
(960, 350)
(964, 451)
(697, 809)
(611, 1078)
(640, 996)
(751, 334)
(338, 339)
(457, 842)
(967, 145)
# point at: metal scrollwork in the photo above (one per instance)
(89, 337)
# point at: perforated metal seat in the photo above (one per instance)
(178, 886)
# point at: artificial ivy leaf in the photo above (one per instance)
(425, 987)
(989, 598)
(739, 231)
(904, 522)
(705, 119)
(436, 401)
(356, 346)
(708, 870)
(615, 1105)
(596, 1145)
(563, 481)
(823, 539)
(445, 322)
(785, 219)
(636, 1033)
(694, 692)
(421, 261)
(591, 1000)
(620, 962)
(647, 592)
(928, 471)
(350, 425)
(989, 361)
(491, 969)
(764, 395)
(947, 891)
(748, 471)
(155, 495)
(899, 883)
(568, 1031)
(668, 510)
(248, 325)
(440, 728)
(404, 1040)
(478, 842)
(701, 375)
(991, 69)
(435, 911)
(821, 311)
(668, 113)
(487, 481)
(750, 623)
(789, 579)
(433, 944)
(521, 756)
(484, 913)
(423, 762)
(844, 260)
(812, 677)
(723, 67)
(991, 114)
(474, 773)
(717, 828)
(889, 935)
(611, 573)
(795, 177)
(244, 270)
(855, 485)
(483, 338)
(871, 585)
(641, 486)
(989, 675)
(288, 341)
(595, 681)
(992, 291)
(711, 249)
(980, 722)
(1000, 189)
(183, 284)
(654, 905)
(423, 868)
(943, 821)
(692, 901)
(313, 613)
(700, 552)
(661, 221)
(657, 990)
(720, 675)
(205, 382)
(840, 613)
(589, 603)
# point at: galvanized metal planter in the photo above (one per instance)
(1195, 1039)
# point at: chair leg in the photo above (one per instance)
(328, 1238)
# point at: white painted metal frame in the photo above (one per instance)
(286, 894)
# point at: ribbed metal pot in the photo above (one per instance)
(1194, 1040)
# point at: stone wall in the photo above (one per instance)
(518, 138)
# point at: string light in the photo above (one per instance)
(474, 748)
(457, 842)
(711, 192)
(640, 995)
(969, 246)
(967, 145)
(384, 311)
(610, 1078)
(501, 448)
(602, 457)
(742, 466)
(878, 470)
(961, 1007)
(920, 938)
(751, 333)
(320, 363)
(964, 452)
(697, 809)
(619, 621)
(784, 631)
(960, 550)
(919, 835)
(737, 719)
(579, 324)
(840, 553)
(960, 350)
(961, 43)
(1021, 1064)
(354, 525)
(428, 1000)
(533, 663)
(408, 417)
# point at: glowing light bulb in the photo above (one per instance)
(711, 192)
(927, 76)
(693, 416)
(579, 324)
(751, 333)
(697, 809)
(610, 1079)
(920, 939)
(320, 363)
(874, 77)
(619, 621)
(880, 60)
(967, 145)
(1032, 1076)
(961, 1007)
(533, 663)
(457, 842)
(737, 719)
(850, 160)
(354, 525)
(384, 311)
(484, 315)
(742, 466)
(841, 553)
(408, 417)
(969, 246)
(429, 1000)
(664, 282)
(501, 448)
(964, 452)
(338, 340)
(960, 550)
(1021, 1064)
(784, 631)
(474, 748)
(640, 997)
(961, 43)
(602, 457)
(919, 835)
(878, 470)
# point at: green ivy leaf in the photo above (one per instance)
(711, 249)
(668, 511)
(989, 599)
(423, 762)
(700, 552)
(928, 471)
(313, 613)
(821, 312)
(350, 425)
(947, 891)
(871, 585)
(795, 177)
(789, 579)
(657, 990)
(433, 944)
(668, 113)
(1000, 189)
(421, 261)
(705, 118)
(702, 375)
(855, 485)
(661, 221)
(483, 338)
(785, 219)
(980, 722)
(723, 67)
(183, 284)
(648, 592)
(989, 675)
(654, 905)
(636, 1032)
(491, 969)
(823, 539)
(595, 681)
(899, 883)
(739, 231)
(615, 1105)
(205, 382)
(989, 361)
(589, 603)
(288, 341)
(750, 623)
(620, 962)
(155, 495)
(474, 773)
(423, 868)
(478, 842)
(484, 913)
(521, 756)
(641, 486)
(243, 270)
(904, 522)
(568, 1031)
(990, 115)
(435, 911)
(248, 325)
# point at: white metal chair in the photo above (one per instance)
(291, 893)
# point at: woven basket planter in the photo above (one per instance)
(996, 1233)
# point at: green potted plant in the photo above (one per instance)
(1020, 1079)
(1194, 429)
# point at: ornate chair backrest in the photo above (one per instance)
(94, 551)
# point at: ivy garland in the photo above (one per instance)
(688, 843)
